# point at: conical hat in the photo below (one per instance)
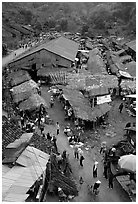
(98, 181)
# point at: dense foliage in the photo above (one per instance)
(91, 17)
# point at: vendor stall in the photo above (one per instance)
(19, 77)
(128, 87)
(130, 104)
(32, 103)
(24, 90)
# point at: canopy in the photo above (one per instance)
(19, 77)
(24, 91)
(131, 96)
(128, 162)
(99, 82)
(24, 87)
(32, 103)
(125, 74)
(79, 104)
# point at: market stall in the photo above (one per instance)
(24, 90)
(32, 103)
(18, 77)
(128, 87)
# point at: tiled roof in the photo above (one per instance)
(10, 132)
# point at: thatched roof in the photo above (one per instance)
(79, 104)
(95, 62)
(24, 90)
(98, 91)
(32, 103)
(131, 68)
(19, 77)
(100, 110)
(90, 82)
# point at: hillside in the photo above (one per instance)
(86, 17)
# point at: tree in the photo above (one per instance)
(64, 24)
(84, 29)
(27, 15)
(4, 49)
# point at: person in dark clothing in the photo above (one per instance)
(105, 170)
(51, 102)
(96, 186)
(22, 122)
(54, 141)
(41, 128)
(110, 180)
(121, 107)
(76, 152)
(64, 154)
(70, 139)
(81, 160)
(48, 136)
(58, 128)
(95, 169)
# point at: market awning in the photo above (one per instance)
(32, 103)
(98, 91)
(80, 105)
(131, 96)
(100, 110)
(125, 74)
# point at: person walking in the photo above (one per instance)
(105, 169)
(96, 186)
(64, 155)
(55, 144)
(48, 136)
(51, 101)
(81, 160)
(58, 128)
(121, 107)
(76, 152)
(41, 128)
(81, 181)
(110, 180)
(95, 169)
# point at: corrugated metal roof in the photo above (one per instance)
(19, 179)
(24, 138)
(5, 169)
(61, 46)
(132, 45)
(32, 155)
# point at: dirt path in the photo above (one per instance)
(105, 195)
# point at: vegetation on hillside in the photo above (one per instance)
(91, 18)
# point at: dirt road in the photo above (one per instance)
(117, 121)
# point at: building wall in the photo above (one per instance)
(41, 57)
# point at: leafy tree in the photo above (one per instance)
(27, 15)
(64, 24)
(4, 49)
